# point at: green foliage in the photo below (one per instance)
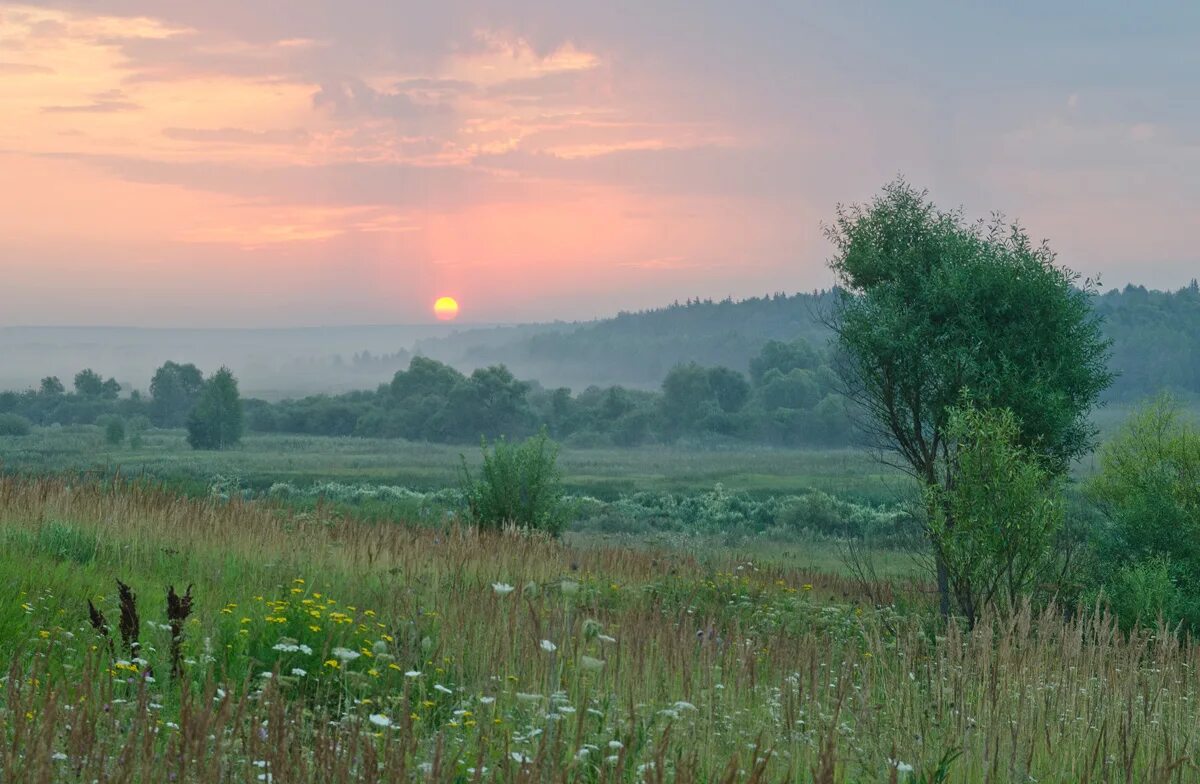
(993, 524)
(518, 485)
(114, 430)
(14, 425)
(216, 421)
(88, 383)
(51, 387)
(66, 543)
(934, 305)
(174, 390)
(1148, 491)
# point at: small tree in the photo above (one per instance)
(931, 306)
(51, 387)
(518, 485)
(88, 383)
(216, 421)
(996, 517)
(114, 430)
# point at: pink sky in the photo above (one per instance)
(317, 163)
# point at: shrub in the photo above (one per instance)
(518, 485)
(14, 425)
(1148, 490)
(114, 430)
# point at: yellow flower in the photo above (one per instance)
(299, 581)
(332, 663)
(314, 628)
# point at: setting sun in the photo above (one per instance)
(446, 309)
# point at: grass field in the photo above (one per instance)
(331, 650)
(265, 459)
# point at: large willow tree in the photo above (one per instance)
(935, 308)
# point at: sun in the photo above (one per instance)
(446, 309)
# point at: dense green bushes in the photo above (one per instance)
(14, 425)
(518, 485)
(1148, 492)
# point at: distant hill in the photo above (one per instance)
(1155, 335)
(637, 349)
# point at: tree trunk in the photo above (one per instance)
(943, 584)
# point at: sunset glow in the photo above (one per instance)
(352, 160)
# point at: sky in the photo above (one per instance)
(308, 162)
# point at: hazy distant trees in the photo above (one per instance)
(216, 420)
(935, 308)
(51, 387)
(174, 390)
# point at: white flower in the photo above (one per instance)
(520, 758)
(503, 589)
(616, 744)
(486, 700)
(548, 646)
(527, 697)
(681, 705)
(901, 767)
(345, 654)
(58, 756)
(299, 673)
(442, 689)
(379, 720)
(413, 674)
(606, 638)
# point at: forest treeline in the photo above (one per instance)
(789, 397)
(756, 370)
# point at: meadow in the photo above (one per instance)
(324, 648)
(262, 460)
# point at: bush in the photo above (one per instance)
(14, 425)
(114, 430)
(518, 485)
(1148, 490)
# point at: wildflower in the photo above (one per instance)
(520, 758)
(503, 589)
(442, 689)
(606, 638)
(616, 744)
(298, 672)
(58, 756)
(332, 663)
(413, 674)
(548, 646)
(345, 654)
(901, 767)
(379, 720)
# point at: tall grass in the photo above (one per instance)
(447, 655)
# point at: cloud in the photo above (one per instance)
(356, 183)
(237, 135)
(23, 69)
(352, 97)
(101, 103)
